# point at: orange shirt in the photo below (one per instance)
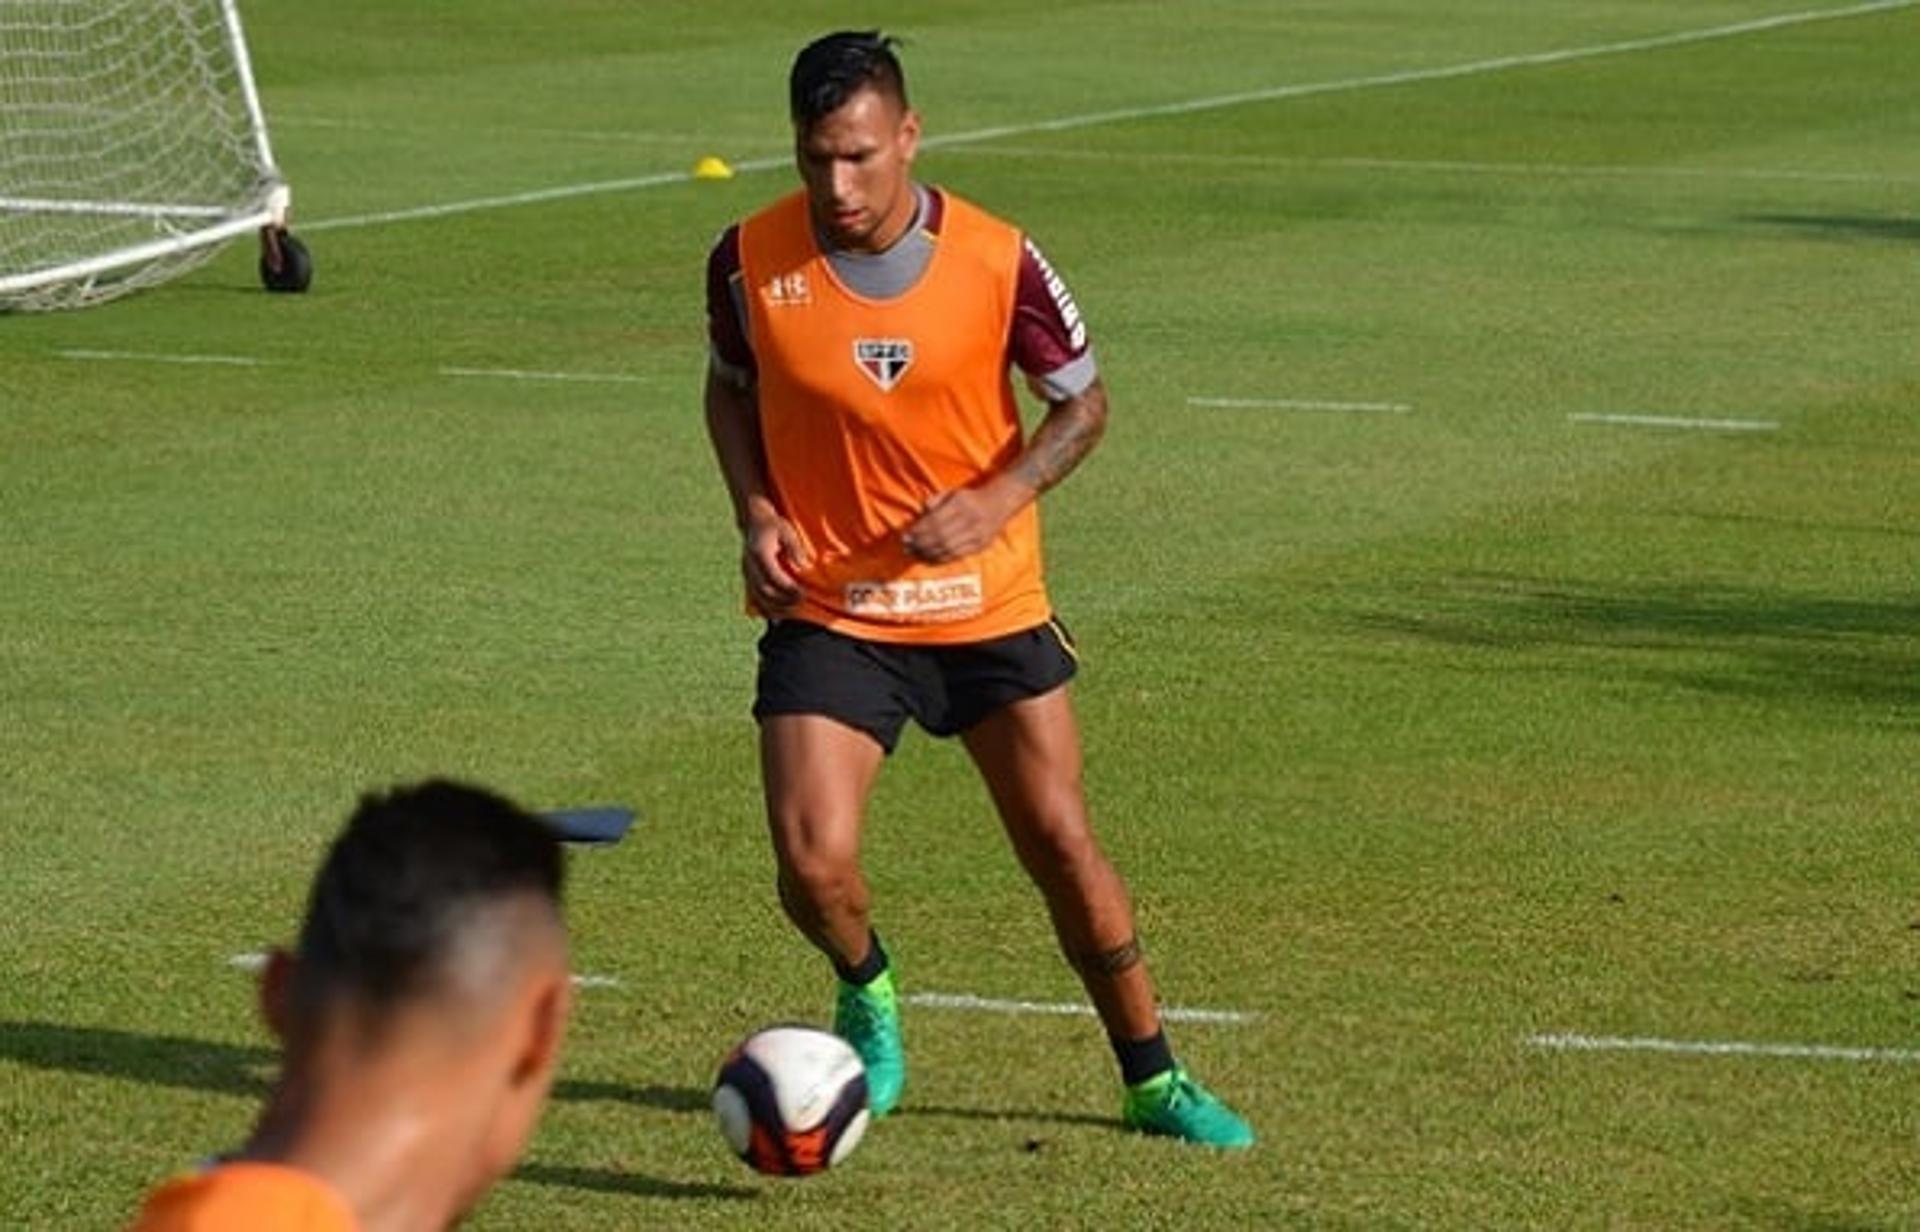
(246, 1197)
(868, 408)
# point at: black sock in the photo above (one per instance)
(868, 969)
(1142, 1059)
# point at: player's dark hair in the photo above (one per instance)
(411, 867)
(833, 68)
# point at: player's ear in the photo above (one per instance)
(276, 992)
(544, 1025)
(909, 134)
(529, 1046)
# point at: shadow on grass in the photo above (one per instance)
(1768, 1213)
(237, 1069)
(670, 1099)
(247, 1070)
(1847, 226)
(161, 1060)
(606, 1180)
(1009, 1116)
(1728, 640)
(1803, 525)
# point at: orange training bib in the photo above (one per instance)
(869, 408)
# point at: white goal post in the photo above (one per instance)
(132, 146)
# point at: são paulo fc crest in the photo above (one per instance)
(884, 360)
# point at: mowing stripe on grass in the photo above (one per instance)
(1213, 102)
(145, 357)
(1719, 1048)
(1304, 404)
(990, 1005)
(1670, 421)
(521, 374)
(256, 960)
(1445, 166)
(619, 379)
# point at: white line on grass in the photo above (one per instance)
(1184, 107)
(1441, 73)
(1671, 421)
(243, 361)
(233, 361)
(1718, 1048)
(562, 193)
(1304, 404)
(990, 1005)
(596, 981)
(520, 374)
(1440, 166)
(631, 136)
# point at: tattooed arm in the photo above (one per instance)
(963, 521)
(1068, 434)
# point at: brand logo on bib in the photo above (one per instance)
(923, 599)
(884, 360)
(786, 291)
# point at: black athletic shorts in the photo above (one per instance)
(877, 686)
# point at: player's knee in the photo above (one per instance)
(821, 882)
(1062, 845)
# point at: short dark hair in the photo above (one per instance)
(388, 906)
(834, 67)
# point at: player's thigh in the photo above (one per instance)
(817, 772)
(1028, 753)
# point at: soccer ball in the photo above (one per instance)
(791, 1100)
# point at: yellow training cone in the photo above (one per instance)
(712, 168)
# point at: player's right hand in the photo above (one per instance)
(772, 550)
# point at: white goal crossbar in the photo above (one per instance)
(132, 146)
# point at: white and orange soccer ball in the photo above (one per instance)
(791, 1100)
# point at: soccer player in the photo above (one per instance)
(421, 1016)
(859, 402)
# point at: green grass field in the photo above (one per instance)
(1419, 732)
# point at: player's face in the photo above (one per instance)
(857, 163)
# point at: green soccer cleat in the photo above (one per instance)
(868, 1017)
(1173, 1105)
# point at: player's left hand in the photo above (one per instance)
(956, 523)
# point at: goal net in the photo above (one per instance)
(132, 145)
